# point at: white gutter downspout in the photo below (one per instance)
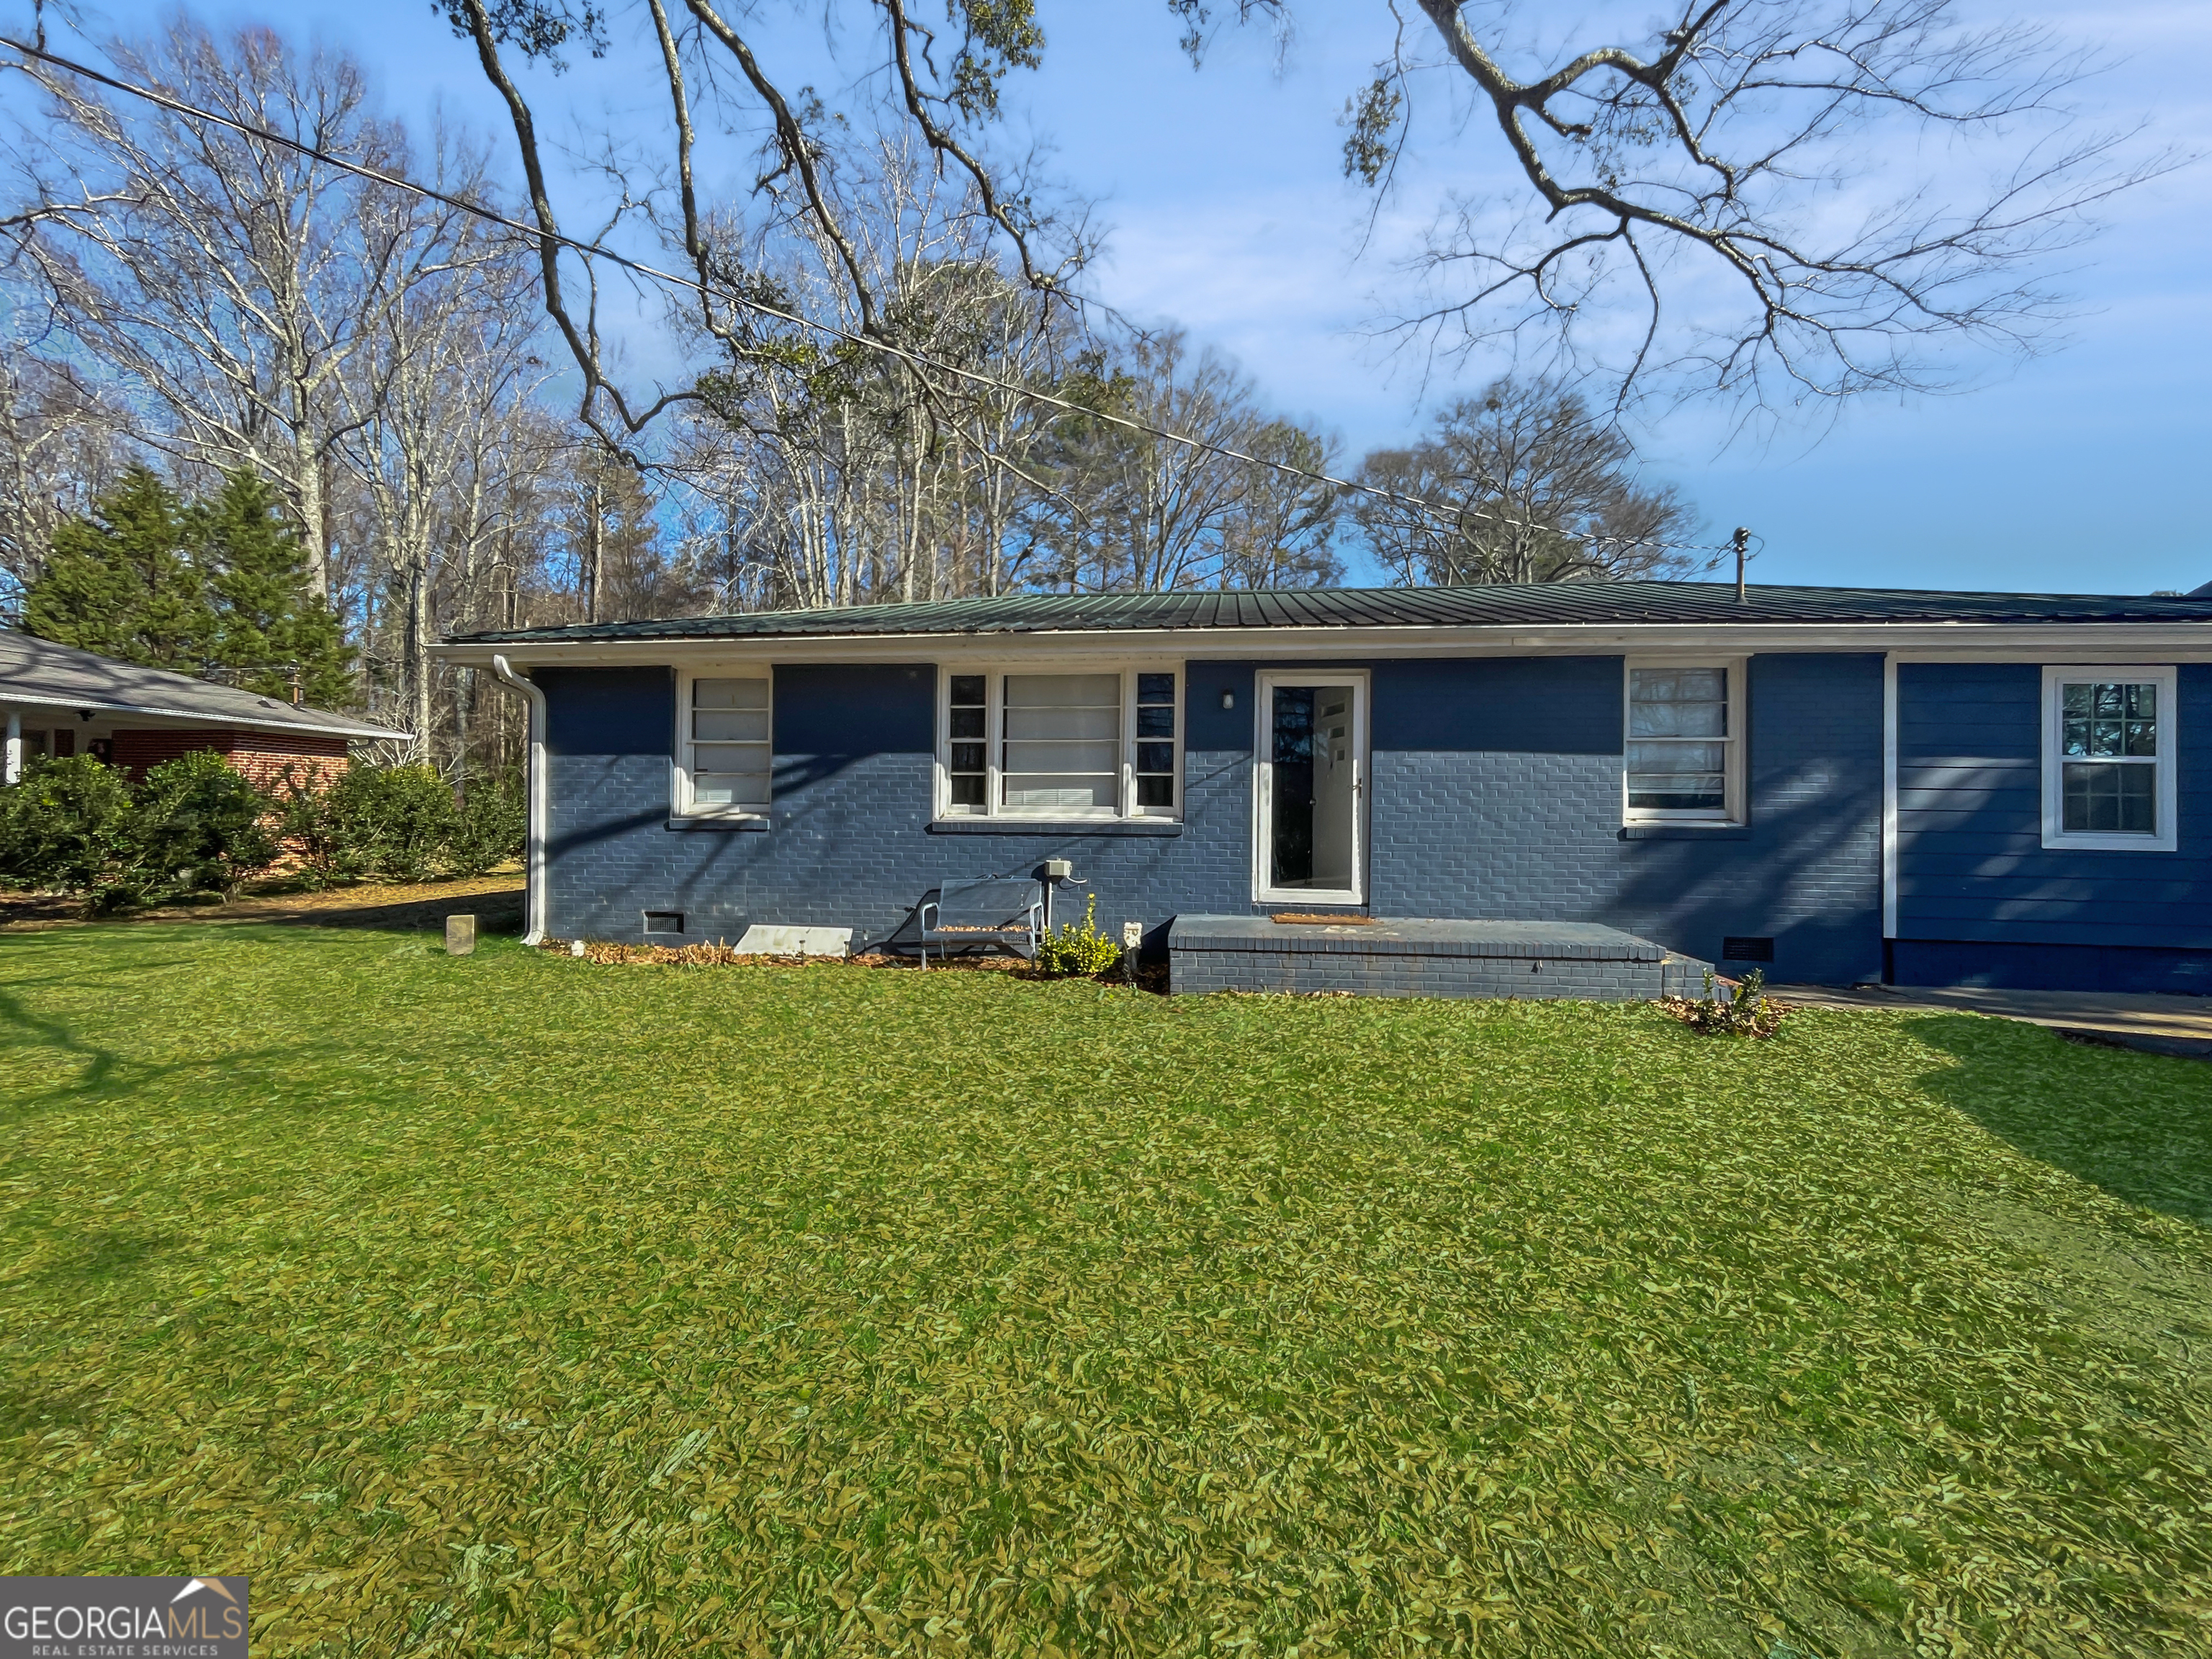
(533, 856)
(11, 771)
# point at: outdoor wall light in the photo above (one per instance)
(1229, 700)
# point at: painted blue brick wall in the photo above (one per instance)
(849, 844)
(1972, 869)
(1496, 794)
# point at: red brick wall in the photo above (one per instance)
(266, 756)
(134, 751)
(263, 756)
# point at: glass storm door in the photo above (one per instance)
(1310, 828)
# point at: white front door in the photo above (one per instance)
(1309, 799)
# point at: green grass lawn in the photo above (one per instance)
(511, 1304)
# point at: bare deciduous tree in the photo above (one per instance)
(1148, 512)
(60, 450)
(425, 404)
(1520, 484)
(231, 280)
(1777, 201)
(940, 93)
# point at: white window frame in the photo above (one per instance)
(680, 804)
(1735, 814)
(994, 705)
(2058, 676)
(1264, 892)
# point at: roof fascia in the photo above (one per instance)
(2056, 641)
(13, 696)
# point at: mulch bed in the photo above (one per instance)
(1150, 977)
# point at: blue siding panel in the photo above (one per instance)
(1981, 901)
(2046, 967)
(1496, 795)
(1971, 859)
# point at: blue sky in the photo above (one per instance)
(2085, 470)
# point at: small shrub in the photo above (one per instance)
(191, 825)
(388, 820)
(400, 823)
(1069, 950)
(64, 825)
(1745, 1011)
(491, 825)
(196, 825)
(312, 831)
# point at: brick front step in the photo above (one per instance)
(1425, 958)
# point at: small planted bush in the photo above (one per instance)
(196, 826)
(395, 821)
(65, 824)
(1748, 1011)
(489, 825)
(1068, 950)
(191, 825)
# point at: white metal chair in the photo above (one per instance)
(999, 912)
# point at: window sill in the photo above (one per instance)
(2087, 843)
(754, 821)
(1685, 832)
(1056, 827)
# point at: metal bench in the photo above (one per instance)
(999, 912)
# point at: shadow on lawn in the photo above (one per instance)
(2139, 1125)
(496, 913)
(105, 1071)
(26, 1029)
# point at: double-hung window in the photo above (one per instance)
(2108, 742)
(1105, 743)
(725, 746)
(1685, 744)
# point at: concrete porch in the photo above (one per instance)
(1421, 956)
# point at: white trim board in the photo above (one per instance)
(1262, 776)
(2040, 642)
(1889, 797)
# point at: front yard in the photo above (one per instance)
(510, 1303)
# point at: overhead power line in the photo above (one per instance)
(589, 251)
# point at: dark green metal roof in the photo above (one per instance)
(1535, 605)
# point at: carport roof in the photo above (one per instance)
(38, 673)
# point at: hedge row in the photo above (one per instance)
(195, 825)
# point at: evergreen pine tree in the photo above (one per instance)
(123, 582)
(265, 614)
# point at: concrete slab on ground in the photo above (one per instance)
(762, 939)
(2158, 1024)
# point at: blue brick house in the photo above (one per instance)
(1840, 785)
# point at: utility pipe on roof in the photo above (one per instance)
(533, 855)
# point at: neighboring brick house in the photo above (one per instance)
(59, 700)
(1838, 784)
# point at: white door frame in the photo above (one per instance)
(1263, 782)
